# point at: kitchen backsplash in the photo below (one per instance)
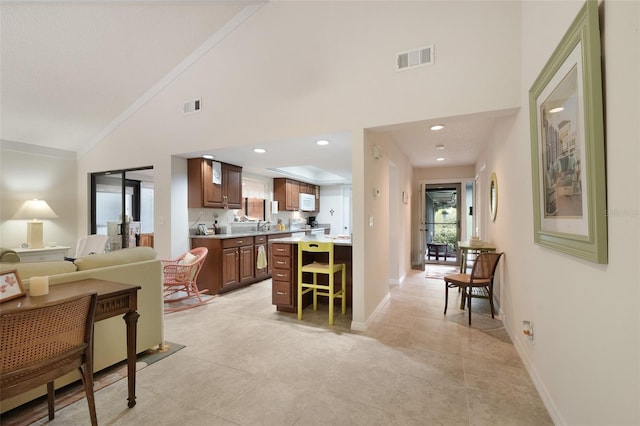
(227, 216)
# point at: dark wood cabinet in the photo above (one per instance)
(230, 263)
(261, 243)
(204, 193)
(230, 270)
(282, 281)
(246, 263)
(237, 267)
(287, 193)
(232, 189)
(284, 278)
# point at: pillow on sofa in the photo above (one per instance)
(118, 257)
(37, 269)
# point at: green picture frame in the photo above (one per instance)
(567, 144)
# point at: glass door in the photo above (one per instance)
(118, 202)
(442, 222)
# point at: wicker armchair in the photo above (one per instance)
(43, 342)
(180, 279)
(478, 284)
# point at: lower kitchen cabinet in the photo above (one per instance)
(230, 264)
(261, 243)
(283, 289)
(284, 276)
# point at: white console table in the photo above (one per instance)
(44, 254)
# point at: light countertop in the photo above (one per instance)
(252, 233)
(339, 240)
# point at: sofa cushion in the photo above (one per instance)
(37, 269)
(118, 257)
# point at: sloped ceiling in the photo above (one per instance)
(70, 68)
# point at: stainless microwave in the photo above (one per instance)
(307, 202)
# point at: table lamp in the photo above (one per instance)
(35, 209)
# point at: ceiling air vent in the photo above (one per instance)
(191, 106)
(414, 58)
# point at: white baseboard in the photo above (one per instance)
(362, 326)
(537, 382)
(398, 280)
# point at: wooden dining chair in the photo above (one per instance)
(478, 284)
(44, 342)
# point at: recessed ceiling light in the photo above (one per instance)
(208, 156)
(440, 147)
(557, 109)
(440, 159)
(437, 127)
(259, 150)
(322, 142)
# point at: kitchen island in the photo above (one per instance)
(232, 261)
(284, 259)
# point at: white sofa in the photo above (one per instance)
(137, 265)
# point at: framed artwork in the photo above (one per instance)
(10, 285)
(567, 144)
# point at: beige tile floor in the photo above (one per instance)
(246, 364)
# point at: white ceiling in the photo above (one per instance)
(71, 70)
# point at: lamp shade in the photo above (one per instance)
(35, 209)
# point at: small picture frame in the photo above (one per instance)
(10, 285)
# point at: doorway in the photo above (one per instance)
(122, 207)
(442, 220)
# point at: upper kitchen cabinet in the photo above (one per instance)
(203, 192)
(287, 192)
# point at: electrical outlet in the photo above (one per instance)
(527, 329)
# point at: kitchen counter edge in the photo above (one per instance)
(322, 238)
(250, 234)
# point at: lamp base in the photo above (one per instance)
(34, 234)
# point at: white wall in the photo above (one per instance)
(338, 76)
(27, 172)
(331, 198)
(379, 243)
(287, 86)
(585, 359)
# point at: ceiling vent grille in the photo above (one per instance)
(419, 57)
(191, 106)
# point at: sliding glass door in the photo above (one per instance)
(119, 200)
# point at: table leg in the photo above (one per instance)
(131, 319)
(463, 270)
(463, 261)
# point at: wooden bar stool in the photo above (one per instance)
(317, 267)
